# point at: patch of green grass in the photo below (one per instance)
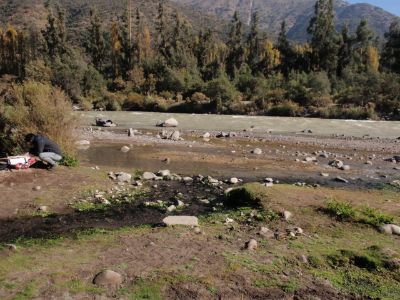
(27, 293)
(146, 290)
(49, 241)
(89, 206)
(69, 161)
(7, 285)
(290, 286)
(76, 286)
(344, 211)
(374, 217)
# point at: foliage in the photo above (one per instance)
(37, 108)
(69, 161)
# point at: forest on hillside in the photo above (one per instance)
(169, 66)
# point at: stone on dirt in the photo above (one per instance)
(207, 135)
(233, 180)
(164, 173)
(43, 208)
(251, 245)
(123, 177)
(108, 278)
(37, 188)
(345, 168)
(11, 247)
(171, 208)
(257, 151)
(266, 233)
(336, 163)
(287, 215)
(390, 229)
(181, 220)
(82, 143)
(324, 174)
(341, 179)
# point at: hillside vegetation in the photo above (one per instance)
(153, 58)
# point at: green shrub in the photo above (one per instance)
(341, 210)
(286, 109)
(374, 217)
(69, 161)
(134, 101)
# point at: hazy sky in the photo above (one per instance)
(390, 5)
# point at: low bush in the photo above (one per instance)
(36, 108)
(341, 210)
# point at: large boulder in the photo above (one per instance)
(171, 122)
(390, 229)
(123, 177)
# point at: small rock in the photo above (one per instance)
(266, 233)
(197, 230)
(324, 174)
(257, 151)
(336, 163)
(181, 220)
(37, 188)
(43, 208)
(131, 132)
(287, 215)
(187, 179)
(11, 247)
(166, 160)
(341, 179)
(148, 176)
(251, 245)
(82, 143)
(175, 136)
(125, 149)
(123, 177)
(234, 180)
(345, 168)
(164, 173)
(310, 159)
(108, 278)
(171, 208)
(207, 135)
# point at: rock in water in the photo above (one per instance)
(108, 278)
(169, 123)
(207, 135)
(257, 151)
(125, 149)
(181, 220)
(131, 132)
(251, 245)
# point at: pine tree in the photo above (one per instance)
(96, 46)
(161, 31)
(324, 37)
(286, 51)
(235, 45)
(254, 44)
(391, 50)
(55, 34)
(115, 49)
(345, 50)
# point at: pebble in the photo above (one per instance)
(171, 208)
(43, 208)
(341, 179)
(37, 188)
(324, 174)
(108, 278)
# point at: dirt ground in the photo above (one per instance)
(58, 251)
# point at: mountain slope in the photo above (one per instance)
(32, 13)
(296, 13)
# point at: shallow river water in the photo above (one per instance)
(261, 124)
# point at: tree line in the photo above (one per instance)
(132, 65)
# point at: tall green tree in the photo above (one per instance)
(345, 50)
(391, 49)
(363, 42)
(161, 30)
(254, 44)
(323, 37)
(96, 46)
(286, 51)
(55, 33)
(236, 47)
